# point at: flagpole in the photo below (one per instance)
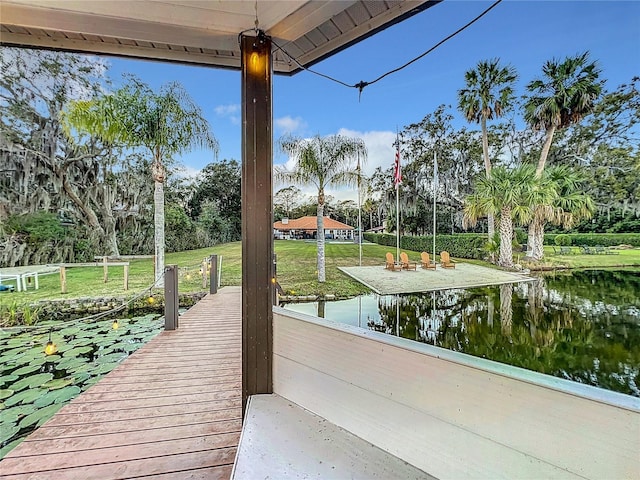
(359, 212)
(397, 178)
(435, 187)
(397, 223)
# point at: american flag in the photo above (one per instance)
(397, 174)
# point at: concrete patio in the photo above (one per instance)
(465, 275)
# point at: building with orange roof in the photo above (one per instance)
(306, 227)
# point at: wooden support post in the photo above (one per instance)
(105, 269)
(257, 216)
(63, 280)
(275, 279)
(171, 297)
(213, 274)
(126, 278)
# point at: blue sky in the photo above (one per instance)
(522, 33)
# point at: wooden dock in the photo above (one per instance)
(172, 410)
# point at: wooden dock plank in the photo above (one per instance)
(171, 410)
(198, 410)
(124, 427)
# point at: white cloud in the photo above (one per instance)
(290, 125)
(380, 153)
(231, 111)
(185, 171)
(380, 150)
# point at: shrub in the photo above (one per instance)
(562, 240)
(38, 228)
(593, 239)
(461, 245)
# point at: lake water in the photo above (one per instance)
(582, 326)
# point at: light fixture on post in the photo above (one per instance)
(51, 347)
(258, 57)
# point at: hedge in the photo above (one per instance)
(593, 239)
(461, 245)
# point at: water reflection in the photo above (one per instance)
(583, 326)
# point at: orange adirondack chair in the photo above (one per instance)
(445, 261)
(391, 264)
(426, 261)
(406, 263)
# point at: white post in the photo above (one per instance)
(397, 222)
(435, 187)
(359, 214)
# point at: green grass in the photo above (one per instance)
(625, 258)
(296, 271)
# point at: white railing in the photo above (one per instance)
(449, 414)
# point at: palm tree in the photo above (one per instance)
(167, 123)
(566, 94)
(510, 194)
(567, 205)
(488, 93)
(322, 162)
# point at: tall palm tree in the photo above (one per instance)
(511, 195)
(167, 123)
(567, 93)
(567, 205)
(488, 93)
(322, 162)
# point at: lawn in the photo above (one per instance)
(296, 270)
(629, 257)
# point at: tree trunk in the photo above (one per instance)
(506, 308)
(491, 222)
(110, 242)
(490, 309)
(158, 225)
(320, 237)
(545, 150)
(506, 236)
(536, 237)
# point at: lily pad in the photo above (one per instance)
(39, 416)
(7, 448)
(71, 364)
(7, 433)
(11, 415)
(105, 368)
(25, 397)
(125, 347)
(69, 331)
(58, 383)
(81, 377)
(52, 358)
(31, 381)
(6, 379)
(67, 393)
(75, 351)
(45, 400)
(41, 360)
(111, 357)
(5, 394)
(26, 370)
(79, 342)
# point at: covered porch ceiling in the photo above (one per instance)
(200, 32)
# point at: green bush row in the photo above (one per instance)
(461, 245)
(593, 239)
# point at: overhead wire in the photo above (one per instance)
(362, 84)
